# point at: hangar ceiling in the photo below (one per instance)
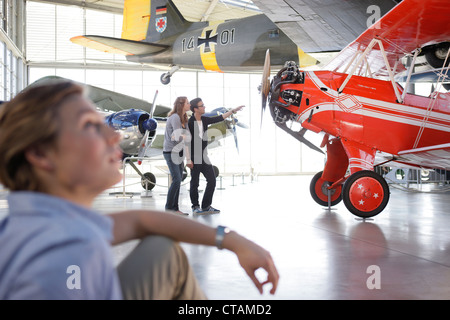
(192, 10)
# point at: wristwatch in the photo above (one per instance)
(220, 235)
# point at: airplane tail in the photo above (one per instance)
(145, 23)
(151, 20)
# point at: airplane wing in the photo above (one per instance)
(410, 25)
(114, 101)
(107, 100)
(112, 45)
(435, 157)
(322, 26)
(428, 76)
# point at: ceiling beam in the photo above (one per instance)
(108, 6)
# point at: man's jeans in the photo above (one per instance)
(208, 172)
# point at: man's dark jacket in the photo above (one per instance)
(196, 141)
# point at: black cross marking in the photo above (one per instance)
(207, 40)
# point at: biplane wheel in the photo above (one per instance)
(436, 54)
(319, 191)
(365, 193)
(151, 178)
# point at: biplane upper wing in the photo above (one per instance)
(410, 25)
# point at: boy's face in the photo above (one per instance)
(87, 157)
(200, 108)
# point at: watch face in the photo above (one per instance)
(220, 234)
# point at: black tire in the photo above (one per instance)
(435, 55)
(367, 193)
(318, 190)
(151, 178)
(165, 79)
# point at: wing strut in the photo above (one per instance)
(363, 57)
(442, 76)
(359, 61)
(411, 67)
(391, 75)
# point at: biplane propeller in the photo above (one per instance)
(279, 117)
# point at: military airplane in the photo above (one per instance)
(368, 119)
(154, 32)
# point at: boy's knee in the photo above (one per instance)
(160, 246)
(157, 268)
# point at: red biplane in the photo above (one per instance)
(364, 112)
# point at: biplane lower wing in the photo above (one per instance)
(434, 157)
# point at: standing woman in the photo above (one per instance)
(174, 150)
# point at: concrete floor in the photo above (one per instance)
(319, 254)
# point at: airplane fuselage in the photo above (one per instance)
(237, 45)
(367, 113)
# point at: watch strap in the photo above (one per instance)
(220, 235)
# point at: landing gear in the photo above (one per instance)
(320, 192)
(436, 54)
(165, 77)
(148, 181)
(365, 193)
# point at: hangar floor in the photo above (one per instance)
(319, 254)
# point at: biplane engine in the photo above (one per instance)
(292, 95)
(132, 124)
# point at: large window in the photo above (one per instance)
(12, 70)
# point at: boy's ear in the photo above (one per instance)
(38, 157)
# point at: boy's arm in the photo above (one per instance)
(134, 224)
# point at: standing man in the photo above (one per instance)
(198, 127)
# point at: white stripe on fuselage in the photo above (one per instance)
(410, 115)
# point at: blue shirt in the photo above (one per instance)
(54, 249)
